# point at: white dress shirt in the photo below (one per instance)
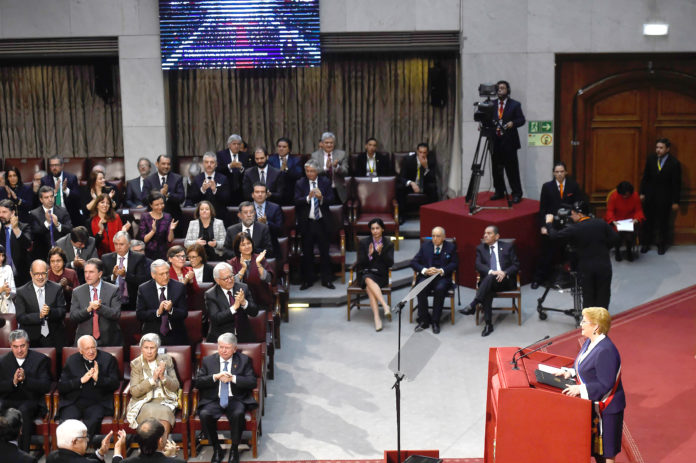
(114, 277)
(229, 368)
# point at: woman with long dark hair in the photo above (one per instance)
(252, 269)
(105, 224)
(19, 193)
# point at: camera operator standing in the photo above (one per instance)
(592, 239)
(508, 117)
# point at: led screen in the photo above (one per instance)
(220, 34)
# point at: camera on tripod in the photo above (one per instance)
(562, 218)
(485, 110)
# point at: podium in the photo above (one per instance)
(529, 422)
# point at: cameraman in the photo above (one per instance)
(508, 116)
(592, 239)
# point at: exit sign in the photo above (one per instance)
(540, 126)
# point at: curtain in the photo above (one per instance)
(354, 96)
(48, 109)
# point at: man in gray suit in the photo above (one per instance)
(79, 247)
(96, 307)
(333, 163)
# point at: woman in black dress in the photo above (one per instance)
(375, 258)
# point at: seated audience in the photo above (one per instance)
(333, 164)
(370, 163)
(210, 186)
(49, 223)
(20, 194)
(179, 271)
(96, 307)
(134, 187)
(16, 236)
(126, 269)
(25, 376)
(253, 270)
(265, 174)
(8, 290)
(199, 263)
(229, 304)
(105, 224)
(154, 446)
(435, 257)
(375, 258)
(290, 168)
(87, 384)
(154, 386)
(168, 184)
(66, 188)
(418, 175)
(96, 187)
(225, 382)
(497, 265)
(207, 231)
(139, 247)
(40, 307)
(259, 231)
(624, 203)
(267, 212)
(232, 162)
(161, 306)
(313, 195)
(78, 247)
(72, 441)
(58, 273)
(156, 228)
(10, 427)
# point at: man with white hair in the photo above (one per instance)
(72, 441)
(210, 186)
(161, 306)
(333, 164)
(87, 383)
(229, 305)
(231, 162)
(126, 269)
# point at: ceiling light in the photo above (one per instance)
(655, 29)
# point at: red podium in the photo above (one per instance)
(529, 422)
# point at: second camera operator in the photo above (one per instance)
(592, 238)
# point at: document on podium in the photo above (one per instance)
(625, 225)
(546, 374)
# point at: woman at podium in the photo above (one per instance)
(598, 373)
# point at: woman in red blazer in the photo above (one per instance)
(624, 203)
(179, 271)
(105, 224)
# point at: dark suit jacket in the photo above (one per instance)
(274, 182)
(20, 251)
(294, 171)
(109, 314)
(27, 308)
(274, 217)
(37, 378)
(175, 194)
(208, 274)
(241, 390)
(261, 238)
(134, 195)
(222, 320)
(157, 457)
(42, 235)
(146, 311)
(409, 172)
(661, 187)
(383, 167)
(68, 456)
(88, 252)
(234, 177)
(137, 273)
(598, 372)
(426, 254)
(380, 263)
(220, 199)
(72, 201)
(70, 386)
(25, 194)
(302, 207)
(592, 239)
(507, 259)
(510, 139)
(10, 452)
(550, 200)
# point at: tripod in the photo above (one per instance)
(478, 168)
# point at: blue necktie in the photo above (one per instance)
(315, 204)
(494, 262)
(50, 228)
(224, 391)
(8, 248)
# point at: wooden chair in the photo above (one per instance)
(515, 295)
(259, 325)
(194, 328)
(251, 417)
(450, 291)
(10, 325)
(374, 200)
(355, 290)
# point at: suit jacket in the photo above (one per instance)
(261, 238)
(598, 373)
(550, 200)
(510, 139)
(137, 273)
(220, 199)
(134, 194)
(426, 256)
(157, 457)
(27, 307)
(12, 453)
(88, 252)
(19, 247)
(274, 182)
(339, 172)
(274, 218)
(72, 200)
(208, 274)
(175, 194)
(294, 170)
(37, 378)
(302, 207)
(146, 311)
(42, 235)
(380, 263)
(409, 172)
(507, 259)
(68, 456)
(222, 320)
(71, 388)
(593, 238)
(241, 390)
(234, 176)
(661, 187)
(109, 314)
(382, 161)
(24, 201)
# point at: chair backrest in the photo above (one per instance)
(187, 215)
(399, 160)
(181, 357)
(375, 196)
(353, 160)
(49, 352)
(232, 216)
(289, 220)
(27, 166)
(194, 326)
(253, 350)
(114, 168)
(116, 351)
(259, 325)
(132, 213)
(195, 299)
(337, 217)
(131, 328)
(10, 325)
(283, 254)
(76, 166)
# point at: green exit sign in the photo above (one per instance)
(540, 126)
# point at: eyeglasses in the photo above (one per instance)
(179, 256)
(585, 322)
(191, 257)
(44, 274)
(227, 278)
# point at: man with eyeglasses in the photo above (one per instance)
(65, 188)
(229, 305)
(72, 441)
(40, 307)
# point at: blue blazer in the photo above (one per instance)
(507, 258)
(274, 215)
(598, 373)
(134, 195)
(426, 255)
(512, 112)
(224, 158)
(295, 167)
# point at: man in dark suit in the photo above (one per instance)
(259, 231)
(418, 175)
(25, 376)
(267, 212)
(66, 188)
(87, 384)
(592, 239)
(371, 163)
(96, 307)
(265, 174)
(79, 247)
(435, 257)
(561, 191)
(126, 269)
(49, 223)
(290, 168)
(313, 195)
(152, 443)
(497, 265)
(161, 306)
(10, 427)
(72, 440)
(506, 142)
(232, 162)
(660, 191)
(168, 183)
(134, 187)
(40, 306)
(225, 381)
(16, 237)
(229, 305)
(210, 186)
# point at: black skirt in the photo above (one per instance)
(381, 280)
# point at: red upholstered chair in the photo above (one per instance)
(10, 325)
(194, 325)
(187, 215)
(281, 274)
(450, 292)
(27, 166)
(373, 199)
(114, 168)
(252, 418)
(289, 222)
(131, 328)
(259, 325)
(109, 423)
(232, 217)
(181, 357)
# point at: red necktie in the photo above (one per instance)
(95, 317)
(329, 166)
(500, 116)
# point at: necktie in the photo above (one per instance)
(50, 226)
(494, 261)
(501, 107)
(8, 248)
(122, 286)
(437, 251)
(236, 314)
(419, 177)
(209, 178)
(164, 326)
(42, 301)
(315, 204)
(224, 390)
(329, 166)
(560, 187)
(59, 191)
(660, 162)
(141, 183)
(284, 164)
(163, 180)
(78, 252)
(262, 177)
(95, 317)
(259, 212)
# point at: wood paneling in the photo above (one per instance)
(614, 160)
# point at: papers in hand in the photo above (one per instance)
(625, 225)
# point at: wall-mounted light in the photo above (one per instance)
(655, 28)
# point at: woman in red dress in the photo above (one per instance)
(105, 224)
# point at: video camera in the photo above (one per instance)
(562, 218)
(485, 110)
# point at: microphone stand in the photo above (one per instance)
(531, 352)
(514, 362)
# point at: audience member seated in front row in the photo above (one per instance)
(435, 257)
(78, 247)
(375, 258)
(229, 304)
(8, 290)
(265, 174)
(16, 236)
(225, 381)
(210, 186)
(624, 204)
(497, 265)
(199, 263)
(168, 184)
(126, 269)
(253, 270)
(49, 223)
(418, 175)
(25, 376)
(156, 228)
(72, 440)
(333, 164)
(20, 194)
(10, 427)
(207, 230)
(152, 442)
(105, 223)
(370, 163)
(259, 231)
(290, 168)
(58, 273)
(134, 187)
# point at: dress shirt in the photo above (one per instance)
(47, 224)
(558, 185)
(313, 185)
(114, 277)
(371, 165)
(198, 272)
(77, 251)
(281, 159)
(249, 230)
(142, 181)
(234, 158)
(20, 362)
(494, 248)
(41, 299)
(159, 291)
(222, 368)
(65, 192)
(264, 171)
(209, 177)
(91, 291)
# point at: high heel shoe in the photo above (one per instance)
(378, 324)
(388, 314)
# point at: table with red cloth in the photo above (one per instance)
(521, 222)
